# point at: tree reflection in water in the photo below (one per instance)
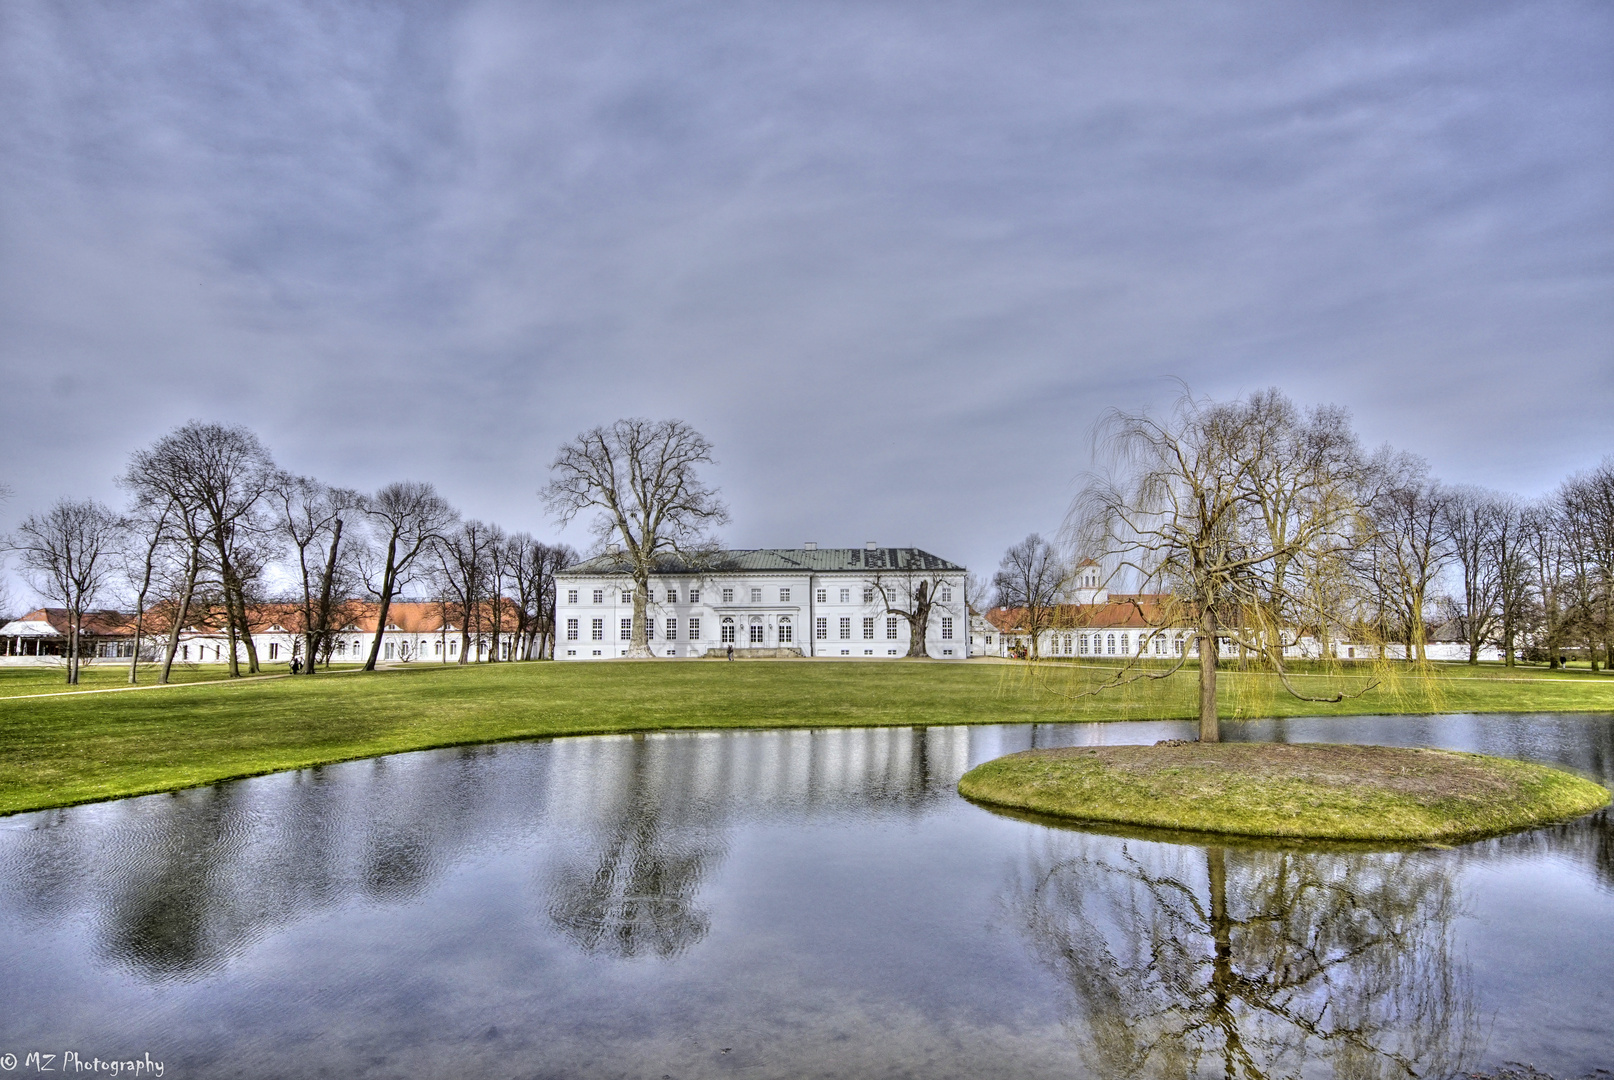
(1252, 964)
(636, 893)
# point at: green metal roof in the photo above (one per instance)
(789, 560)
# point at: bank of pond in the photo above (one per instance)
(780, 903)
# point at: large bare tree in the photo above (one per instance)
(465, 574)
(1472, 518)
(406, 518)
(910, 587)
(149, 532)
(1032, 578)
(641, 477)
(1408, 546)
(69, 554)
(1226, 508)
(311, 517)
(217, 475)
(532, 566)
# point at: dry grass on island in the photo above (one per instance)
(1286, 790)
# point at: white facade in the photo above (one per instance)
(767, 602)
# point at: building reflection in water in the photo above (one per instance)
(629, 828)
(1250, 964)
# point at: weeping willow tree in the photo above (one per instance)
(1235, 519)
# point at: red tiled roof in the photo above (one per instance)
(1137, 612)
(94, 623)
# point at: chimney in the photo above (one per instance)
(811, 545)
(870, 545)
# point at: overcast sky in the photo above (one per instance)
(893, 259)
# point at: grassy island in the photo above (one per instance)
(1286, 790)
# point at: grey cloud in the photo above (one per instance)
(892, 258)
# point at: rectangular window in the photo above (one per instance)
(891, 627)
(784, 596)
(627, 629)
(846, 596)
(821, 628)
(694, 596)
(454, 647)
(274, 651)
(846, 628)
(868, 628)
(756, 596)
(728, 596)
(823, 596)
(694, 629)
(571, 629)
(389, 651)
(598, 628)
(571, 596)
(868, 596)
(672, 629)
(946, 594)
(599, 596)
(786, 632)
(627, 596)
(947, 631)
(672, 596)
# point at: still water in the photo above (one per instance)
(791, 904)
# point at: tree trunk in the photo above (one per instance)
(1209, 726)
(385, 605)
(639, 647)
(72, 647)
(919, 624)
(312, 634)
(182, 612)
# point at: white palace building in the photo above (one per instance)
(766, 602)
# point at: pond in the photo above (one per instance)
(789, 904)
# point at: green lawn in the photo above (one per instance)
(100, 675)
(60, 750)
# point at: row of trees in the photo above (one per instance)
(1259, 523)
(211, 519)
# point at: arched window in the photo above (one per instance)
(1068, 641)
(786, 632)
(1124, 649)
(757, 630)
(1082, 644)
(728, 631)
(1112, 645)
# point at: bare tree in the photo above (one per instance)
(1588, 505)
(310, 517)
(1409, 546)
(1222, 507)
(148, 532)
(69, 554)
(910, 586)
(464, 563)
(1546, 542)
(498, 568)
(1510, 558)
(216, 476)
(641, 477)
(532, 567)
(1471, 518)
(407, 518)
(1032, 578)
